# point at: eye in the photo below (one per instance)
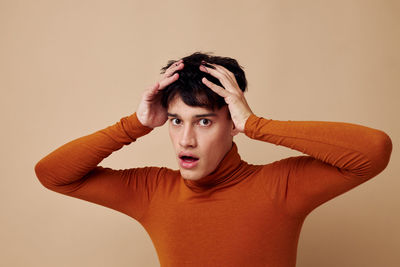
(205, 122)
(175, 121)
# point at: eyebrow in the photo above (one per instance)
(196, 116)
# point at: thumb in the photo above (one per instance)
(154, 88)
(152, 91)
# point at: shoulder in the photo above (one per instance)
(287, 164)
(139, 173)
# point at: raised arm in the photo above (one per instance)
(73, 170)
(357, 150)
(341, 155)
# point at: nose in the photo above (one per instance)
(188, 137)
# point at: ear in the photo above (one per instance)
(234, 130)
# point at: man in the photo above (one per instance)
(217, 210)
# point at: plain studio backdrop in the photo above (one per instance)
(70, 68)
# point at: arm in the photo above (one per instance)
(72, 168)
(341, 156)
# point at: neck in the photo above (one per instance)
(223, 175)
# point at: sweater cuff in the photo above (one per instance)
(133, 127)
(251, 126)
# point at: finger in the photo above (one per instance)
(153, 89)
(174, 67)
(224, 78)
(149, 94)
(217, 89)
(223, 70)
(168, 80)
(229, 76)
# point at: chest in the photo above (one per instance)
(218, 225)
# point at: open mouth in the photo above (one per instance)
(188, 162)
(188, 158)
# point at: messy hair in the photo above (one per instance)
(191, 89)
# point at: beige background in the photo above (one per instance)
(69, 68)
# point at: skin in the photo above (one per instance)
(203, 133)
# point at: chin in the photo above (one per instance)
(190, 175)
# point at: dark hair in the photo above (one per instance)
(191, 89)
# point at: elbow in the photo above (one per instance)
(380, 150)
(42, 174)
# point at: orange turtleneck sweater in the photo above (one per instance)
(239, 215)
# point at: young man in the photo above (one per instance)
(217, 210)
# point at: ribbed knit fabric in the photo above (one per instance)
(239, 215)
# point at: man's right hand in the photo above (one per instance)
(150, 112)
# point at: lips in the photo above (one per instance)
(188, 160)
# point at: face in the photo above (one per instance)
(201, 137)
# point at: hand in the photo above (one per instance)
(234, 97)
(150, 112)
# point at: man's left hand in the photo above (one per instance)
(234, 97)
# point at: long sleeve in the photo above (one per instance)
(73, 170)
(340, 157)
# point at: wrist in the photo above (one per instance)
(136, 121)
(244, 121)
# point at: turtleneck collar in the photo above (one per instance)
(223, 175)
